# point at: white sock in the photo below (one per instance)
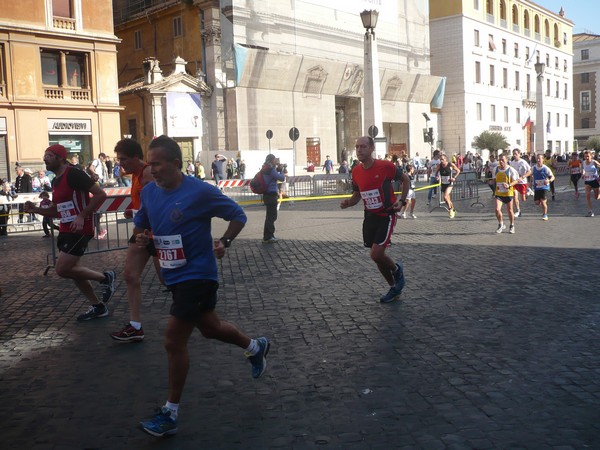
(253, 348)
(136, 325)
(173, 407)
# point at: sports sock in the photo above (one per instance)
(253, 348)
(174, 408)
(136, 325)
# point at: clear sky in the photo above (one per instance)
(585, 14)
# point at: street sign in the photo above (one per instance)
(373, 131)
(294, 134)
(269, 134)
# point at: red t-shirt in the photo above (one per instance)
(71, 195)
(375, 186)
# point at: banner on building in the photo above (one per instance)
(184, 114)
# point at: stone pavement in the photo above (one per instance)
(493, 345)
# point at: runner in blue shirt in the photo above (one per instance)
(542, 177)
(178, 209)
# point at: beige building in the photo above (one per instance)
(488, 49)
(586, 79)
(278, 65)
(58, 80)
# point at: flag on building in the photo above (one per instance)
(528, 122)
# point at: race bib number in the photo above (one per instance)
(589, 177)
(575, 170)
(540, 183)
(445, 179)
(372, 199)
(170, 251)
(502, 187)
(66, 211)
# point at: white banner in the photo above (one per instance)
(388, 9)
(184, 115)
(2, 125)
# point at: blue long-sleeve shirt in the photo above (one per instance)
(271, 179)
(180, 221)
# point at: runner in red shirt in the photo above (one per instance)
(72, 204)
(372, 181)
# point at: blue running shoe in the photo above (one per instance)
(162, 424)
(392, 295)
(259, 361)
(399, 281)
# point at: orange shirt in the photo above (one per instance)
(136, 187)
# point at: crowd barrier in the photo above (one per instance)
(464, 188)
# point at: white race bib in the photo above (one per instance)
(540, 183)
(589, 177)
(502, 187)
(445, 179)
(66, 211)
(170, 251)
(575, 170)
(372, 199)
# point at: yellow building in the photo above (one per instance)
(58, 80)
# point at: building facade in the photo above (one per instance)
(586, 76)
(488, 49)
(58, 80)
(274, 66)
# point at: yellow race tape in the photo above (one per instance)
(323, 197)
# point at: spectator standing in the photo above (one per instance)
(7, 195)
(242, 169)
(75, 207)
(98, 170)
(200, 173)
(344, 167)
(190, 169)
(345, 155)
(328, 165)
(41, 182)
(218, 168)
(23, 185)
(47, 222)
(271, 197)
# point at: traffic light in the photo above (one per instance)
(428, 135)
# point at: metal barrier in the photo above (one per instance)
(298, 186)
(464, 188)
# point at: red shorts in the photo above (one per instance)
(521, 188)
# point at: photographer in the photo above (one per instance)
(282, 185)
(272, 174)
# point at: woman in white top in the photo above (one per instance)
(590, 179)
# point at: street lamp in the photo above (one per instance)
(540, 128)
(372, 90)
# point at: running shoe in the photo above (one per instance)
(270, 240)
(518, 213)
(403, 216)
(590, 214)
(94, 312)
(511, 229)
(412, 216)
(128, 333)
(108, 285)
(259, 361)
(501, 228)
(545, 217)
(162, 424)
(392, 295)
(399, 280)
(452, 213)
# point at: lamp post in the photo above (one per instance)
(540, 125)
(372, 89)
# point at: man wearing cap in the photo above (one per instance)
(75, 208)
(270, 197)
(23, 185)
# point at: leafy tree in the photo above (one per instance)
(593, 143)
(491, 140)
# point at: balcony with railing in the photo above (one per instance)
(528, 99)
(61, 93)
(63, 23)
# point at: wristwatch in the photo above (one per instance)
(226, 242)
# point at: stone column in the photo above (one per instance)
(215, 129)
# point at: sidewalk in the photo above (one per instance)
(493, 344)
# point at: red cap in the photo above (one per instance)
(58, 150)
